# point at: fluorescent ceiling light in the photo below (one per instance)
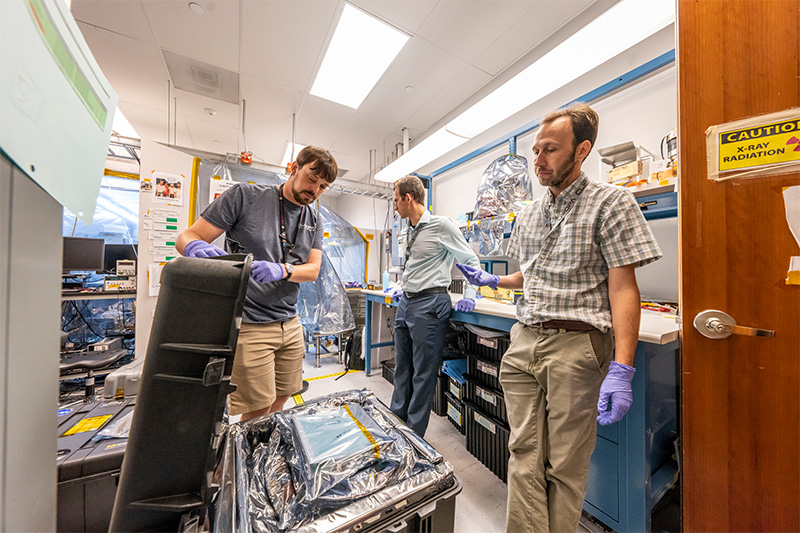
(122, 127)
(621, 27)
(289, 156)
(361, 50)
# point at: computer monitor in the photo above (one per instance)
(115, 252)
(83, 254)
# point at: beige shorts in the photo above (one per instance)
(268, 363)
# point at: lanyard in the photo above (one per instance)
(284, 242)
(547, 207)
(412, 236)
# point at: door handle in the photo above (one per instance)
(718, 325)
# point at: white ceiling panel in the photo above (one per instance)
(134, 68)
(362, 132)
(320, 122)
(212, 37)
(453, 93)
(149, 123)
(458, 51)
(406, 15)
(467, 27)
(282, 42)
(213, 137)
(420, 65)
(195, 105)
(528, 32)
(126, 18)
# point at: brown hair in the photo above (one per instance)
(584, 121)
(321, 161)
(411, 185)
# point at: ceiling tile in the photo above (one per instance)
(149, 123)
(362, 134)
(528, 32)
(467, 27)
(269, 107)
(204, 133)
(212, 37)
(134, 68)
(282, 41)
(194, 106)
(421, 65)
(320, 122)
(449, 97)
(406, 15)
(125, 18)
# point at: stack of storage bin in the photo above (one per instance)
(483, 406)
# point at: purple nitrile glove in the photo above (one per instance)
(266, 271)
(477, 276)
(201, 248)
(465, 304)
(393, 292)
(616, 388)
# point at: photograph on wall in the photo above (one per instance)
(168, 189)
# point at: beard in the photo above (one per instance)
(562, 172)
(302, 197)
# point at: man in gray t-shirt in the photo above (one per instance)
(284, 233)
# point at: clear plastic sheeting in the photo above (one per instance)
(345, 247)
(489, 236)
(323, 466)
(322, 305)
(504, 185)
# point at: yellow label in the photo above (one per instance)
(765, 144)
(87, 424)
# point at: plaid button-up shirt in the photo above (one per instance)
(565, 246)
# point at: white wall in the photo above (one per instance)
(642, 113)
(161, 159)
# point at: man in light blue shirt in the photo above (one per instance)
(432, 243)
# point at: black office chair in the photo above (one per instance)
(90, 361)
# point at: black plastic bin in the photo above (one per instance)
(487, 440)
(484, 372)
(455, 412)
(488, 348)
(387, 370)
(488, 400)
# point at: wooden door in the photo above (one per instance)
(740, 396)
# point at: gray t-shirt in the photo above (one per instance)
(250, 215)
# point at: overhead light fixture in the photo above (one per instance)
(621, 27)
(361, 50)
(290, 156)
(122, 127)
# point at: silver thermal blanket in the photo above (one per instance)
(324, 466)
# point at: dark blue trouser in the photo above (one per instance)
(420, 327)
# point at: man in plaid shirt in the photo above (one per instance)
(578, 247)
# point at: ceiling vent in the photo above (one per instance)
(201, 78)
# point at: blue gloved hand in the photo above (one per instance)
(616, 388)
(393, 292)
(465, 304)
(477, 276)
(201, 248)
(266, 271)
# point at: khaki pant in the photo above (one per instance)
(551, 381)
(268, 362)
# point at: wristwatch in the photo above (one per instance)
(289, 271)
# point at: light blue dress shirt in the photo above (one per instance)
(435, 242)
